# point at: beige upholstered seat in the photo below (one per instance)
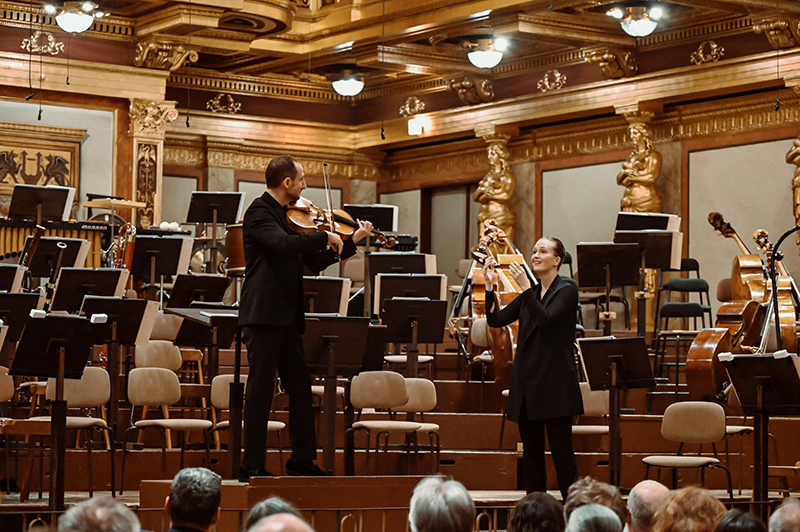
(691, 422)
(354, 270)
(379, 390)
(158, 387)
(166, 327)
(159, 354)
(595, 404)
(319, 390)
(479, 337)
(421, 399)
(221, 400)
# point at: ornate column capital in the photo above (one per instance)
(640, 112)
(163, 53)
(781, 30)
(614, 62)
(471, 88)
(149, 119)
(496, 133)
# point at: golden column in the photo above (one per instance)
(149, 121)
(642, 168)
(496, 189)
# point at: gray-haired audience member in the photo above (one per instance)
(193, 501)
(787, 517)
(594, 518)
(268, 507)
(99, 514)
(739, 521)
(643, 501)
(281, 522)
(537, 512)
(440, 505)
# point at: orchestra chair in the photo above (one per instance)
(783, 474)
(462, 271)
(220, 400)
(595, 404)
(427, 361)
(597, 299)
(353, 269)
(380, 390)
(166, 327)
(686, 286)
(479, 337)
(691, 422)
(568, 263)
(158, 387)
(680, 337)
(91, 392)
(421, 399)
(7, 392)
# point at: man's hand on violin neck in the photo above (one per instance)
(364, 229)
(335, 242)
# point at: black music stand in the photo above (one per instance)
(122, 329)
(657, 249)
(11, 277)
(608, 264)
(214, 208)
(55, 346)
(408, 285)
(33, 202)
(157, 256)
(400, 262)
(766, 385)
(414, 321)
(614, 364)
(15, 309)
(323, 294)
(333, 346)
(190, 288)
(75, 283)
(45, 257)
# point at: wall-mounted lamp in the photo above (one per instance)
(638, 19)
(74, 17)
(350, 83)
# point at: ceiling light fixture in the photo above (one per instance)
(485, 53)
(350, 83)
(74, 17)
(639, 19)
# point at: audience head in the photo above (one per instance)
(440, 505)
(594, 517)
(268, 507)
(690, 508)
(587, 490)
(194, 498)
(280, 522)
(537, 512)
(787, 517)
(643, 501)
(739, 521)
(99, 514)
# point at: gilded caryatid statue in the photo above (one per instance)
(496, 189)
(793, 157)
(640, 173)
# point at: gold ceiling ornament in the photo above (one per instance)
(413, 106)
(642, 168)
(230, 106)
(496, 189)
(782, 30)
(614, 62)
(163, 54)
(471, 88)
(707, 52)
(34, 44)
(552, 80)
(149, 119)
(793, 157)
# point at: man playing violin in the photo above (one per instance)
(271, 313)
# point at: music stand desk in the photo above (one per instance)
(614, 364)
(388, 286)
(74, 284)
(15, 310)
(326, 294)
(205, 287)
(414, 321)
(34, 202)
(46, 252)
(11, 277)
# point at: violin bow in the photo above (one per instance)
(326, 180)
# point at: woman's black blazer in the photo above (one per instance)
(543, 376)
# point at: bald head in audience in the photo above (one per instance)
(643, 501)
(787, 517)
(281, 523)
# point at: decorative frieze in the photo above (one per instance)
(150, 119)
(707, 52)
(34, 45)
(782, 30)
(552, 80)
(230, 106)
(412, 106)
(163, 54)
(613, 62)
(471, 88)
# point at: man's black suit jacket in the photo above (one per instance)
(274, 254)
(543, 376)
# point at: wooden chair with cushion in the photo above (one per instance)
(479, 337)
(421, 399)
(380, 390)
(697, 422)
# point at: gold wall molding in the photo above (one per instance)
(61, 134)
(707, 52)
(552, 81)
(163, 54)
(725, 27)
(412, 106)
(34, 44)
(149, 119)
(782, 30)
(471, 88)
(216, 105)
(613, 62)
(272, 86)
(22, 16)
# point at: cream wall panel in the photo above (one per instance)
(751, 187)
(449, 219)
(523, 203)
(177, 193)
(409, 203)
(97, 149)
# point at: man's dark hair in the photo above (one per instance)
(537, 512)
(194, 496)
(279, 169)
(268, 507)
(99, 514)
(587, 490)
(739, 521)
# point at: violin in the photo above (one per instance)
(305, 217)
